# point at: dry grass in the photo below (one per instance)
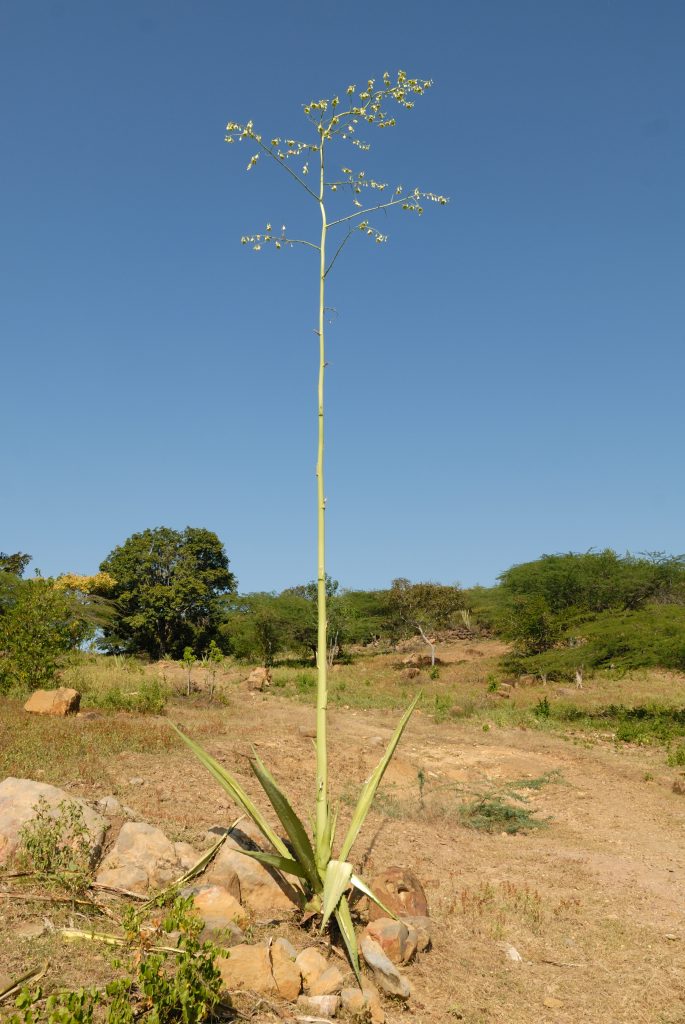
(591, 903)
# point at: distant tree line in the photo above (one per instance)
(165, 592)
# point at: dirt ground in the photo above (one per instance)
(593, 903)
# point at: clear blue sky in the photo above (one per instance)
(506, 374)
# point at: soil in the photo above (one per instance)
(593, 903)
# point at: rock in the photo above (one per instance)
(385, 973)
(62, 701)
(312, 965)
(511, 952)
(136, 781)
(328, 983)
(401, 891)
(373, 1002)
(259, 679)
(423, 927)
(552, 1002)
(31, 930)
(217, 908)
(353, 1001)
(397, 939)
(418, 661)
(256, 886)
(18, 798)
(186, 855)
(321, 1006)
(248, 967)
(286, 972)
(287, 946)
(109, 805)
(142, 858)
(357, 1002)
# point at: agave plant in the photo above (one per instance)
(324, 880)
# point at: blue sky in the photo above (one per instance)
(505, 373)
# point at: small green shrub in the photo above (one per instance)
(497, 814)
(149, 698)
(676, 758)
(56, 845)
(543, 708)
(159, 987)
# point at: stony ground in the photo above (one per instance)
(593, 903)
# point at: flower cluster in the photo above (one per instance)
(101, 583)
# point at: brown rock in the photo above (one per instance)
(397, 939)
(373, 1002)
(142, 858)
(364, 1002)
(218, 908)
(353, 1001)
(312, 964)
(328, 983)
(62, 701)
(401, 891)
(321, 1006)
(286, 972)
(256, 886)
(259, 679)
(248, 967)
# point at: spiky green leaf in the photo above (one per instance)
(302, 847)
(362, 887)
(373, 782)
(235, 791)
(285, 864)
(336, 881)
(344, 919)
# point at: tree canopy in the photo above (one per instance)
(167, 591)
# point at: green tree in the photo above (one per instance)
(167, 591)
(39, 627)
(424, 608)
(14, 564)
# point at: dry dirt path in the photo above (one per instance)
(594, 903)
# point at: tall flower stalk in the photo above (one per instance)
(324, 880)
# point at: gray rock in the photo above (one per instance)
(385, 974)
(109, 805)
(18, 799)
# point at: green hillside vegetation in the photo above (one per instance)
(560, 615)
(572, 613)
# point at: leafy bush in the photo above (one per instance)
(653, 636)
(56, 845)
(149, 698)
(161, 988)
(597, 581)
(498, 814)
(38, 626)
